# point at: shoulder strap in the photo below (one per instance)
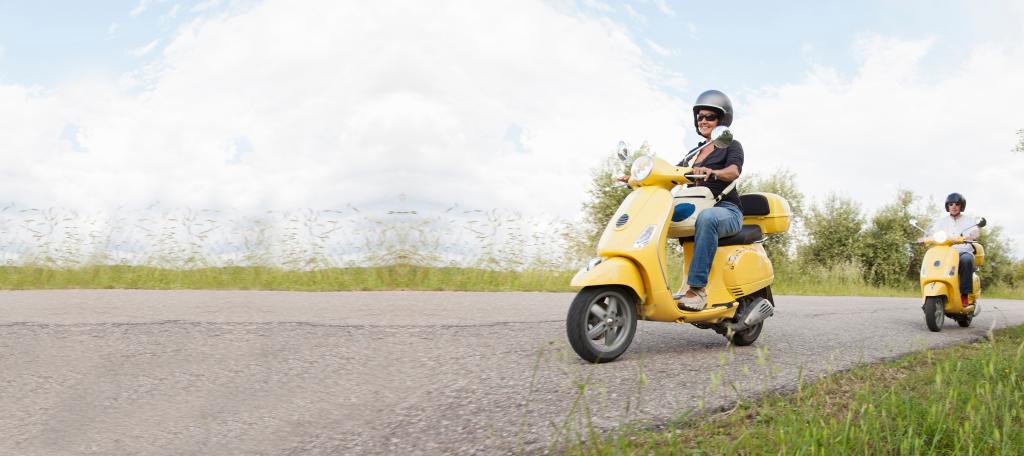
(726, 190)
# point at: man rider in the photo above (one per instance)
(954, 223)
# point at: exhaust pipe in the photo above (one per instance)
(759, 311)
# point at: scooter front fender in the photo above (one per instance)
(934, 289)
(613, 271)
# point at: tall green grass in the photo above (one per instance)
(398, 277)
(394, 277)
(962, 400)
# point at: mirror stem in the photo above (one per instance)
(692, 152)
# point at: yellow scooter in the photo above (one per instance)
(940, 280)
(628, 279)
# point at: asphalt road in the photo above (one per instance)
(239, 372)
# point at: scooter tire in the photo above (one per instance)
(747, 336)
(964, 322)
(586, 322)
(934, 312)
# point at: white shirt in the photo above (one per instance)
(955, 226)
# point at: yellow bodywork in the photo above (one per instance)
(940, 276)
(777, 220)
(613, 271)
(736, 271)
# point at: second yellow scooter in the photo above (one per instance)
(940, 279)
(627, 280)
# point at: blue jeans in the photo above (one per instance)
(966, 271)
(723, 220)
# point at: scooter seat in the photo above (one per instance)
(749, 234)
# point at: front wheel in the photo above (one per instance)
(601, 323)
(934, 312)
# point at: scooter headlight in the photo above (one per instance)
(641, 168)
(940, 237)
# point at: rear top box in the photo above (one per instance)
(769, 211)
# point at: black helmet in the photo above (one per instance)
(956, 198)
(715, 101)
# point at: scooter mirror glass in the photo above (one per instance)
(981, 222)
(622, 151)
(721, 136)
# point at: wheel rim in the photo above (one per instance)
(940, 313)
(608, 322)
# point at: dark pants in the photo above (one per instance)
(966, 272)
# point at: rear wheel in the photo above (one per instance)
(747, 336)
(601, 323)
(964, 321)
(934, 312)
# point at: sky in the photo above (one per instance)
(422, 105)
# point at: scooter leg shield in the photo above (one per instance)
(613, 271)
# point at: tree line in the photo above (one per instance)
(833, 232)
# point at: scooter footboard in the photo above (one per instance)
(613, 271)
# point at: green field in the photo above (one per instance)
(839, 282)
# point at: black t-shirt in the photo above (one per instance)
(720, 159)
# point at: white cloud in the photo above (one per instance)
(170, 15)
(112, 29)
(660, 50)
(892, 126)
(404, 99)
(204, 6)
(664, 8)
(598, 6)
(633, 13)
(142, 51)
(507, 106)
(140, 8)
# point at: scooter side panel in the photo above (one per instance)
(746, 269)
(737, 270)
(613, 271)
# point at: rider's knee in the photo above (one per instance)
(706, 219)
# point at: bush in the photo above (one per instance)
(887, 255)
(782, 183)
(833, 232)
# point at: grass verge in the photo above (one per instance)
(399, 277)
(967, 399)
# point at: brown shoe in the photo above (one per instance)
(693, 303)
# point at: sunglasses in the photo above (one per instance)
(709, 117)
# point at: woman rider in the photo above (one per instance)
(722, 166)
